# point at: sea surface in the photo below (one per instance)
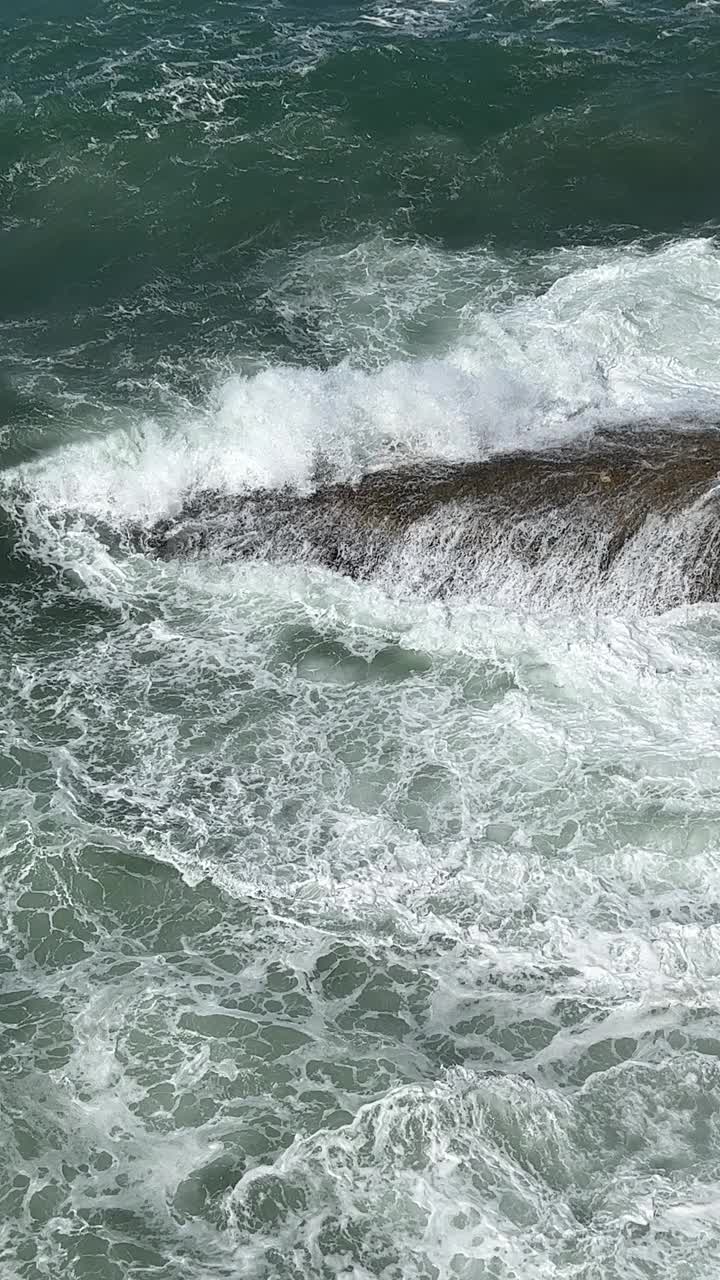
(348, 933)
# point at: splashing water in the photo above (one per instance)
(348, 930)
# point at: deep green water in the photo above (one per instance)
(347, 933)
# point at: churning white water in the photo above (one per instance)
(358, 934)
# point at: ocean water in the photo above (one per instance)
(346, 933)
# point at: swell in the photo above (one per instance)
(630, 518)
(126, 186)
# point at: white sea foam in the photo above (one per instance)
(525, 353)
(367, 935)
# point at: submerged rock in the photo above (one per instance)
(635, 513)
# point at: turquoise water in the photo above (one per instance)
(348, 933)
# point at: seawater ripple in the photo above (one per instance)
(154, 160)
(346, 932)
(290, 910)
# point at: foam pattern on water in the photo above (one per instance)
(540, 353)
(347, 933)
(347, 937)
